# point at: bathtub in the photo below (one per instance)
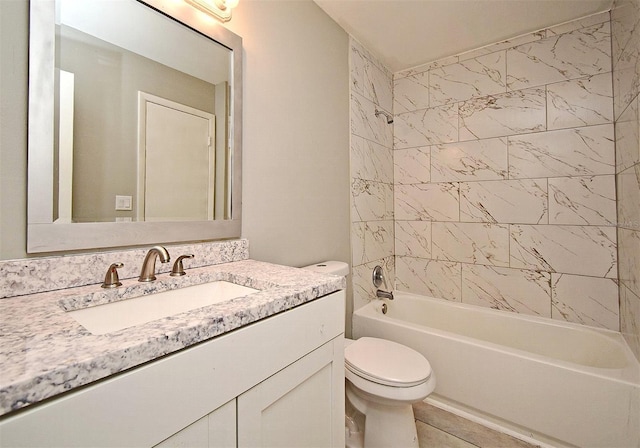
(557, 383)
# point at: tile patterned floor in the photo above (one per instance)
(441, 429)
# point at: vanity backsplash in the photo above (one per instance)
(34, 275)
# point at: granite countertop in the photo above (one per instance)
(45, 352)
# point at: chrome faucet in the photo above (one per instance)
(384, 294)
(378, 280)
(148, 272)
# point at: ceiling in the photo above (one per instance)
(407, 33)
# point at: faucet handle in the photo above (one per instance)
(111, 279)
(378, 277)
(178, 268)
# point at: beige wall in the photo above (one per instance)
(13, 127)
(296, 138)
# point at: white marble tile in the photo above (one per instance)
(412, 165)
(504, 114)
(630, 319)
(411, 93)
(505, 201)
(628, 137)
(577, 24)
(629, 253)
(471, 160)
(363, 289)
(503, 45)
(585, 300)
(484, 75)
(413, 239)
(368, 55)
(427, 202)
(626, 80)
(426, 127)
(372, 240)
(433, 278)
(371, 201)
(582, 200)
(629, 198)
(580, 102)
(357, 64)
(378, 86)
(625, 17)
(371, 161)
(583, 52)
(626, 76)
(426, 67)
(477, 243)
(569, 152)
(583, 250)
(365, 124)
(520, 291)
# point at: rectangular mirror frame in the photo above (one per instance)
(43, 235)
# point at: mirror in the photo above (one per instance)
(134, 125)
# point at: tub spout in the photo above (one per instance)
(384, 294)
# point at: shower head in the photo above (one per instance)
(388, 116)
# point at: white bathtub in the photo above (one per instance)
(558, 383)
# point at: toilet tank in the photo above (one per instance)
(339, 268)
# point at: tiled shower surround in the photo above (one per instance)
(509, 160)
(625, 23)
(499, 187)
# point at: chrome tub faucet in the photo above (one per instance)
(378, 280)
(384, 294)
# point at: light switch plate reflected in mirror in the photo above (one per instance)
(123, 202)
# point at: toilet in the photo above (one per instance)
(383, 379)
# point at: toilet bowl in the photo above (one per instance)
(383, 380)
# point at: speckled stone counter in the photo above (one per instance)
(45, 352)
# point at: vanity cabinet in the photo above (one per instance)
(276, 382)
(216, 430)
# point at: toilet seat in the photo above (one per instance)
(386, 362)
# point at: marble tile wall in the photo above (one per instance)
(372, 226)
(505, 176)
(625, 27)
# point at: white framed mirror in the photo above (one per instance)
(135, 132)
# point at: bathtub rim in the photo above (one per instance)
(629, 374)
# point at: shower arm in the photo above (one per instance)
(387, 115)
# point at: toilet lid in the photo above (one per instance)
(386, 362)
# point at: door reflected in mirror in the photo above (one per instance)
(109, 141)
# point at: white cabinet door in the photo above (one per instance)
(300, 406)
(216, 430)
(222, 426)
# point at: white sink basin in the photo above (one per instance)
(102, 319)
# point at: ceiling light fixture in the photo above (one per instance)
(220, 9)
